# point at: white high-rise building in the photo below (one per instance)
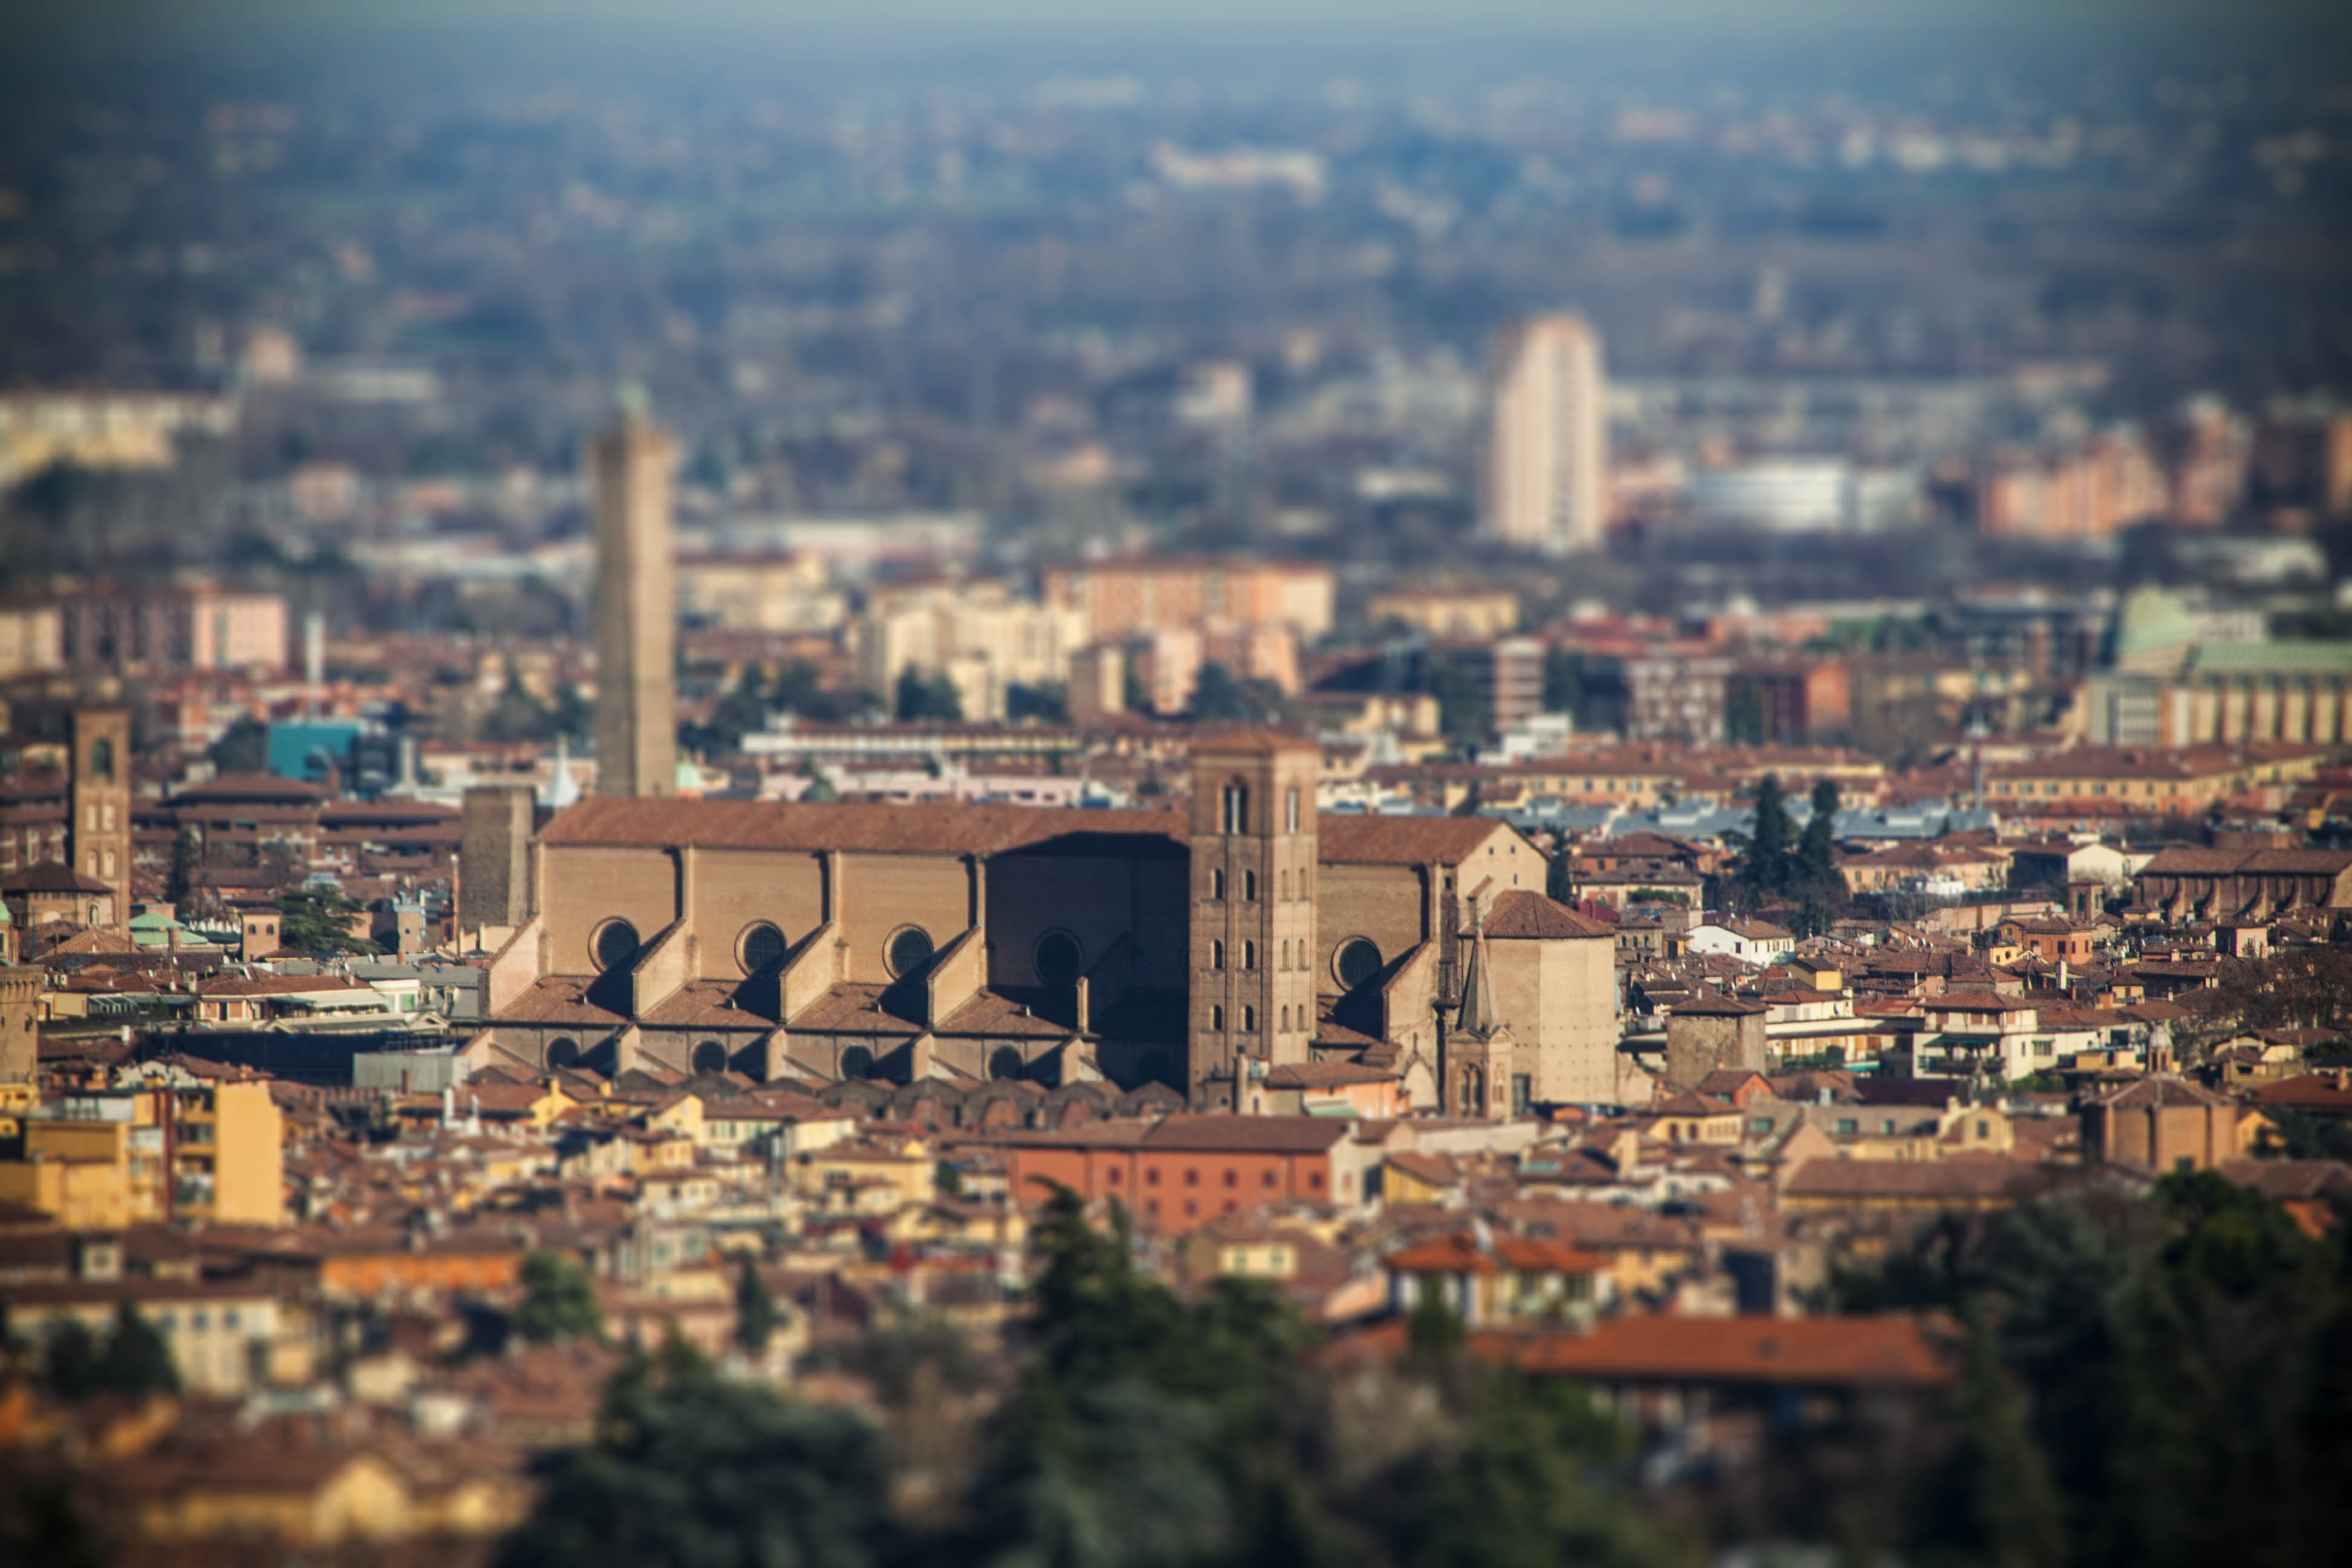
(1546, 480)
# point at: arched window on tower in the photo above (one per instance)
(1235, 804)
(1217, 883)
(1290, 810)
(102, 759)
(1249, 955)
(1216, 954)
(1249, 887)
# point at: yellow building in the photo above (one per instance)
(174, 1147)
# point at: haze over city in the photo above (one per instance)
(1269, 783)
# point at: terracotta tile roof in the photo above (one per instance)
(1460, 1253)
(559, 1000)
(1713, 1004)
(1216, 1132)
(1520, 914)
(1254, 742)
(1325, 1075)
(2185, 862)
(930, 830)
(1889, 1351)
(51, 877)
(2320, 1091)
(1351, 840)
(1933, 1179)
(2154, 1093)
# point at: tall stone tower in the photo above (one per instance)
(1253, 919)
(636, 609)
(101, 832)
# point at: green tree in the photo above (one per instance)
(518, 715)
(243, 748)
(1217, 695)
(934, 697)
(690, 1468)
(1563, 683)
(318, 920)
(179, 885)
(757, 1316)
(1463, 711)
(137, 1361)
(1991, 1500)
(741, 710)
(559, 1300)
(1816, 868)
(1764, 863)
(69, 1361)
(1560, 877)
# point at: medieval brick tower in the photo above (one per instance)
(100, 830)
(1252, 925)
(636, 609)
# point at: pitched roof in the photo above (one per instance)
(1713, 1005)
(1935, 1179)
(51, 877)
(2155, 1093)
(932, 829)
(1217, 1132)
(1889, 1351)
(1461, 1253)
(1254, 742)
(1325, 1075)
(1401, 840)
(1521, 915)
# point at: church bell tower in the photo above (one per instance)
(1252, 917)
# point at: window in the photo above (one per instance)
(761, 948)
(1249, 955)
(1266, 1178)
(1235, 805)
(1315, 1179)
(1249, 887)
(614, 944)
(1249, 1020)
(1232, 1177)
(1113, 1175)
(1759, 1124)
(1059, 958)
(1285, 882)
(1846, 1127)
(1357, 961)
(1286, 1018)
(1217, 883)
(1192, 1178)
(564, 1053)
(1217, 1019)
(908, 949)
(1984, 1128)
(102, 759)
(1216, 953)
(1151, 1177)
(1290, 811)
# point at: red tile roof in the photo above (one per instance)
(1888, 1352)
(1520, 914)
